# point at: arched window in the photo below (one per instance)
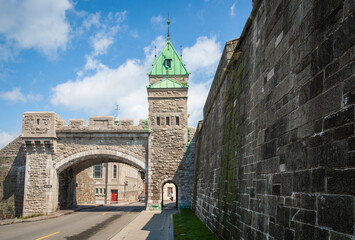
(114, 175)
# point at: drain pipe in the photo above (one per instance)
(106, 179)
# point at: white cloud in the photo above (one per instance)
(134, 34)
(100, 92)
(92, 20)
(34, 97)
(196, 100)
(39, 24)
(6, 138)
(13, 96)
(17, 96)
(101, 42)
(203, 56)
(232, 13)
(156, 20)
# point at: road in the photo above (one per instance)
(101, 222)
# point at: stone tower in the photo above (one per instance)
(167, 98)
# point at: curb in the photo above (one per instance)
(171, 227)
(44, 217)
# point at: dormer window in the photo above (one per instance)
(168, 63)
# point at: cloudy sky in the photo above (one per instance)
(81, 58)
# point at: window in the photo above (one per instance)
(97, 171)
(168, 63)
(167, 120)
(158, 120)
(100, 190)
(177, 121)
(97, 191)
(114, 171)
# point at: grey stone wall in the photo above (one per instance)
(12, 174)
(275, 155)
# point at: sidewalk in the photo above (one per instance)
(149, 225)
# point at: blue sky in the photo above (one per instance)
(81, 58)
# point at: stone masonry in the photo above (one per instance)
(56, 153)
(275, 155)
(12, 169)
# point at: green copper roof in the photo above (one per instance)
(167, 83)
(168, 62)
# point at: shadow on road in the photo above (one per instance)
(94, 229)
(136, 207)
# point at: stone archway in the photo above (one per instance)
(69, 167)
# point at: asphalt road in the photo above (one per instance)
(100, 223)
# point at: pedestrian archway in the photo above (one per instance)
(169, 195)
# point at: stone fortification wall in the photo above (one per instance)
(275, 153)
(12, 174)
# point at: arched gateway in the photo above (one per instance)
(157, 146)
(56, 151)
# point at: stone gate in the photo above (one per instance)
(56, 152)
(161, 146)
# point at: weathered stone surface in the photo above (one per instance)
(278, 127)
(336, 212)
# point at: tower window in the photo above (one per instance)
(167, 120)
(158, 120)
(168, 63)
(177, 121)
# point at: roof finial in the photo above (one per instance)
(180, 52)
(155, 52)
(168, 22)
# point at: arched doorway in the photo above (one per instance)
(170, 195)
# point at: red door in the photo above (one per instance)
(114, 195)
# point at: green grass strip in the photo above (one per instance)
(187, 226)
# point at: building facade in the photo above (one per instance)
(109, 183)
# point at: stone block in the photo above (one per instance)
(343, 132)
(286, 184)
(338, 236)
(336, 212)
(268, 149)
(312, 89)
(305, 231)
(283, 216)
(318, 180)
(301, 181)
(305, 216)
(328, 155)
(341, 182)
(340, 118)
(344, 37)
(308, 201)
(344, 73)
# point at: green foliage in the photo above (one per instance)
(187, 226)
